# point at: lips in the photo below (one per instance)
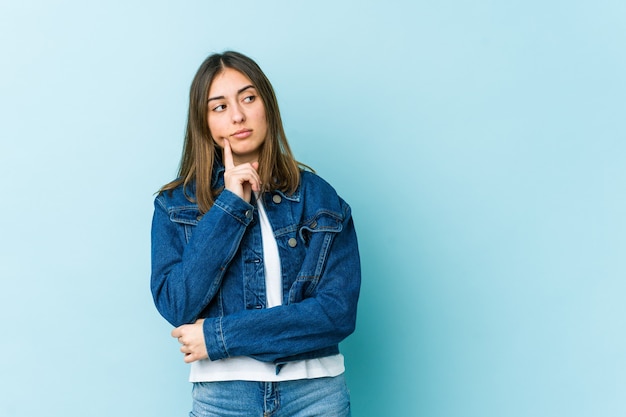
(242, 133)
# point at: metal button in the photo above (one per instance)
(249, 214)
(199, 217)
(292, 242)
(314, 224)
(277, 199)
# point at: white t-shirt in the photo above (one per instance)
(248, 369)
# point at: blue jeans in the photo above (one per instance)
(327, 397)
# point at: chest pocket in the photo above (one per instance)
(317, 234)
(187, 217)
(322, 222)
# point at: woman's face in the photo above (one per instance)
(236, 113)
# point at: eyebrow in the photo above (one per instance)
(241, 90)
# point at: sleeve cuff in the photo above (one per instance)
(214, 339)
(235, 206)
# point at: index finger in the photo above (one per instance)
(228, 155)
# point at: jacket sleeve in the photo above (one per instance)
(186, 277)
(323, 319)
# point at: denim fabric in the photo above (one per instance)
(323, 397)
(211, 267)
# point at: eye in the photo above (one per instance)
(249, 99)
(219, 108)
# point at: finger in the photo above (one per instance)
(192, 357)
(250, 174)
(256, 184)
(228, 155)
(242, 179)
(177, 332)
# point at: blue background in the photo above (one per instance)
(481, 145)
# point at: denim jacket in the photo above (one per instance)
(211, 267)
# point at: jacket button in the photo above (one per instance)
(314, 224)
(249, 214)
(199, 217)
(277, 199)
(292, 242)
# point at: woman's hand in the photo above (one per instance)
(240, 179)
(191, 337)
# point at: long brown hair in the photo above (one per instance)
(278, 169)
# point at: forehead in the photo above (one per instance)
(228, 81)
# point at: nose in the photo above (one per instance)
(238, 114)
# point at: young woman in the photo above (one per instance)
(254, 259)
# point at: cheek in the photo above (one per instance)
(260, 117)
(214, 127)
(218, 140)
(215, 134)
